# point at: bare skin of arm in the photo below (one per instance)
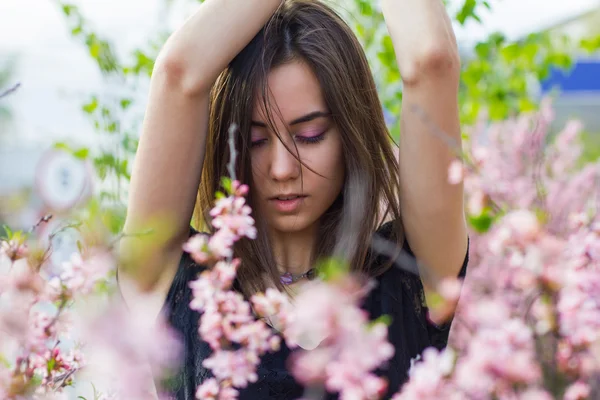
(168, 163)
(432, 208)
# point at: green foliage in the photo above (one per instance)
(591, 147)
(469, 10)
(113, 118)
(500, 78)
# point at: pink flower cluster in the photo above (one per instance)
(33, 320)
(227, 323)
(231, 220)
(123, 357)
(341, 347)
(528, 322)
(45, 343)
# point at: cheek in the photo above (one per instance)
(327, 161)
(259, 167)
(259, 174)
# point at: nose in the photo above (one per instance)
(284, 165)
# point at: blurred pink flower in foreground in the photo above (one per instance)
(340, 350)
(47, 341)
(528, 322)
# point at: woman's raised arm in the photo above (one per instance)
(168, 163)
(432, 208)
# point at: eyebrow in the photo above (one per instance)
(305, 118)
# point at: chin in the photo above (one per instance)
(290, 224)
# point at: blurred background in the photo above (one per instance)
(83, 69)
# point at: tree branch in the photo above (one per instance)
(10, 90)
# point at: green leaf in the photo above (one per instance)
(227, 185)
(129, 144)
(125, 103)
(8, 231)
(332, 269)
(511, 52)
(383, 319)
(68, 9)
(481, 223)
(50, 366)
(90, 107)
(77, 30)
(590, 45)
(62, 146)
(82, 153)
(4, 361)
(467, 11)
(112, 127)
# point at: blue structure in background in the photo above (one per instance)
(578, 93)
(583, 77)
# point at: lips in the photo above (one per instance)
(285, 197)
(287, 204)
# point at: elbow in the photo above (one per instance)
(173, 69)
(433, 64)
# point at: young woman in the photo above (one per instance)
(316, 153)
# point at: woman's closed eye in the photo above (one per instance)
(309, 137)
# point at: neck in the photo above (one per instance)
(293, 251)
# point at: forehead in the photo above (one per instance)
(294, 89)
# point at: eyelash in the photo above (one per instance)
(301, 139)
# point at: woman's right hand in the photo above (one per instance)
(167, 168)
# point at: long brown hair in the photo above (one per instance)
(311, 32)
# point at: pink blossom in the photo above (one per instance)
(578, 391)
(197, 246)
(238, 366)
(309, 368)
(226, 317)
(14, 249)
(534, 393)
(221, 243)
(81, 275)
(208, 390)
(122, 352)
(455, 172)
(233, 214)
(429, 378)
(343, 351)
(449, 291)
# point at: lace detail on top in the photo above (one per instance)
(398, 294)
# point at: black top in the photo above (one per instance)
(398, 294)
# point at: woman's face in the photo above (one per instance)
(290, 196)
